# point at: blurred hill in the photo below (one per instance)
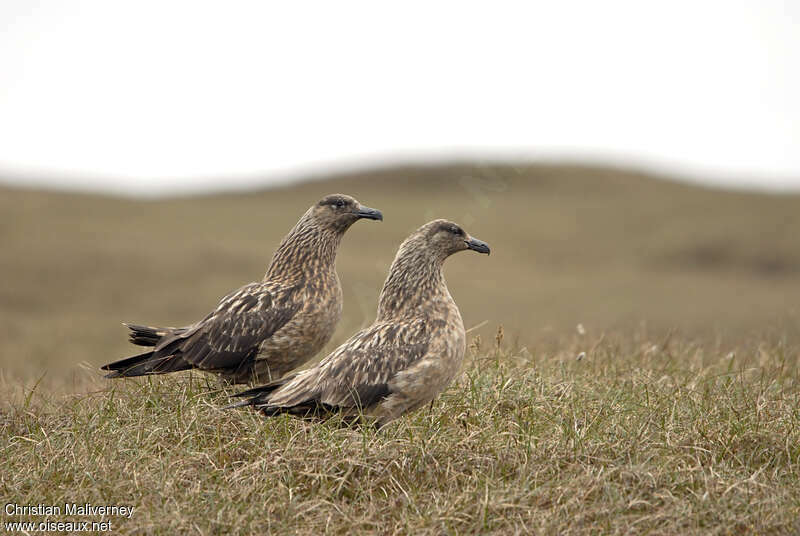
(610, 249)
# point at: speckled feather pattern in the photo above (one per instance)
(409, 355)
(264, 329)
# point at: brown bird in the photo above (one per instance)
(265, 329)
(403, 360)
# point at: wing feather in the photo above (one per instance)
(359, 372)
(233, 332)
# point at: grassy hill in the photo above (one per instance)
(612, 250)
(672, 409)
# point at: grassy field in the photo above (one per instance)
(645, 379)
(635, 437)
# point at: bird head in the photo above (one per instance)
(338, 212)
(445, 238)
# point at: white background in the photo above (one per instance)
(149, 97)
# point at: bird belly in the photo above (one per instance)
(298, 341)
(425, 380)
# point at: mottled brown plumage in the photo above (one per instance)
(403, 360)
(264, 329)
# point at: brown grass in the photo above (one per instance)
(639, 436)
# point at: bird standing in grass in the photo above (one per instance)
(264, 329)
(412, 351)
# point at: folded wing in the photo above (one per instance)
(226, 339)
(358, 374)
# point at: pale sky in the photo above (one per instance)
(160, 96)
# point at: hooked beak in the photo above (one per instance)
(477, 245)
(369, 213)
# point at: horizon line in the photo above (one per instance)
(118, 185)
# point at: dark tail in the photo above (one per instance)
(144, 364)
(258, 395)
(146, 335)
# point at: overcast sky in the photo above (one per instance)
(142, 96)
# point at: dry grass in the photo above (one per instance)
(681, 416)
(636, 437)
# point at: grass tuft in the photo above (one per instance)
(638, 436)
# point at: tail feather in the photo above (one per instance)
(146, 335)
(311, 409)
(145, 364)
(259, 398)
(257, 395)
(266, 388)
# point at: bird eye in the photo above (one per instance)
(455, 230)
(339, 203)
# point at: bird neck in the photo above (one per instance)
(415, 280)
(307, 249)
